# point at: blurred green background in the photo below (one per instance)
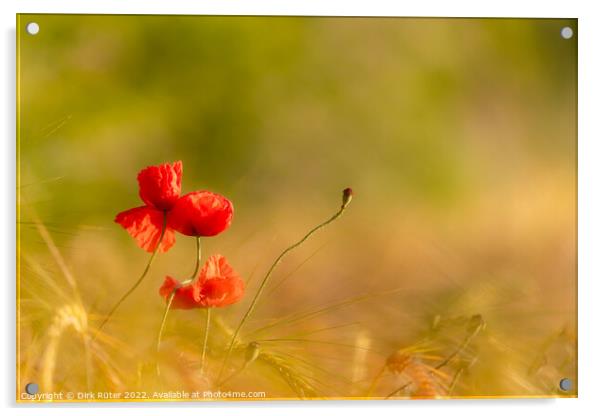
(458, 137)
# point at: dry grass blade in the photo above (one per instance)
(69, 316)
(302, 316)
(56, 254)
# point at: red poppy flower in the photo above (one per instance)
(217, 285)
(159, 189)
(201, 214)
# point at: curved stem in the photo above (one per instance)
(377, 378)
(173, 292)
(203, 354)
(266, 278)
(140, 279)
(164, 319)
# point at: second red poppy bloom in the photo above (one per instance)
(217, 285)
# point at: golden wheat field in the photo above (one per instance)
(263, 208)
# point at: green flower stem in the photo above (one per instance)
(140, 279)
(204, 353)
(266, 278)
(173, 292)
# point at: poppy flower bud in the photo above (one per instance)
(347, 196)
(252, 352)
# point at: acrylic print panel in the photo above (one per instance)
(267, 208)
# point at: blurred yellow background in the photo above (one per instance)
(458, 137)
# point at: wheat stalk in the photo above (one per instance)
(295, 380)
(68, 316)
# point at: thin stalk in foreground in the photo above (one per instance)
(478, 325)
(173, 292)
(204, 353)
(347, 196)
(140, 279)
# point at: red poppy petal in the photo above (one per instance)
(160, 185)
(145, 224)
(201, 214)
(185, 297)
(169, 284)
(219, 285)
(216, 266)
(221, 292)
